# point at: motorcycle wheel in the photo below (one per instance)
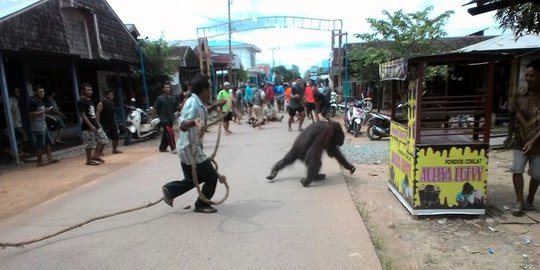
(356, 129)
(332, 112)
(341, 106)
(371, 134)
(127, 138)
(368, 106)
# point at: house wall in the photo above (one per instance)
(246, 55)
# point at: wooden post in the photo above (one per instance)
(7, 108)
(419, 90)
(120, 95)
(207, 58)
(201, 54)
(490, 85)
(75, 86)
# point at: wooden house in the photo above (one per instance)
(60, 44)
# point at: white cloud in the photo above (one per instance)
(179, 20)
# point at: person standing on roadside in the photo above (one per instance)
(259, 98)
(248, 97)
(58, 116)
(226, 110)
(311, 105)
(296, 104)
(270, 95)
(38, 127)
(106, 118)
(194, 114)
(93, 135)
(165, 107)
(280, 96)
(16, 116)
(239, 104)
(524, 134)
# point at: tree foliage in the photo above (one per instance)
(520, 19)
(159, 67)
(288, 75)
(399, 34)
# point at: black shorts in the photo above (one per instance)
(292, 112)
(112, 133)
(227, 117)
(310, 107)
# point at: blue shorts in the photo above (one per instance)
(521, 160)
(41, 139)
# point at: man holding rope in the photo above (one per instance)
(194, 115)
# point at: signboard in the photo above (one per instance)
(451, 177)
(401, 163)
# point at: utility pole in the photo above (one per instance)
(340, 57)
(273, 62)
(229, 71)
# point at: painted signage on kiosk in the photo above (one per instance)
(451, 177)
(401, 162)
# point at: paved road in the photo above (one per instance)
(263, 225)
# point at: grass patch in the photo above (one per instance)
(364, 213)
(387, 262)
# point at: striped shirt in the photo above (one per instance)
(193, 108)
(525, 118)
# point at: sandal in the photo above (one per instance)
(205, 210)
(92, 163)
(528, 207)
(98, 159)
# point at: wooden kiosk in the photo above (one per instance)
(438, 158)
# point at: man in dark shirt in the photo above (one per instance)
(106, 117)
(297, 103)
(165, 107)
(93, 135)
(38, 126)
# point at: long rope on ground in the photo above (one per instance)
(24, 243)
(195, 181)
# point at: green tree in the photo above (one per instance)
(242, 75)
(400, 34)
(288, 74)
(521, 19)
(159, 67)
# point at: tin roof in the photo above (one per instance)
(505, 43)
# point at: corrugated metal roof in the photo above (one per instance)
(8, 7)
(506, 42)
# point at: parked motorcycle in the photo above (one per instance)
(354, 117)
(379, 124)
(333, 105)
(364, 103)
(139, 125)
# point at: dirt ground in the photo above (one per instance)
(497, 240)
(24, 186)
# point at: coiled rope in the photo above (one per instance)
(195, 151)
(222, 179)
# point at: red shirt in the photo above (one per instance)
(269, 91)
(310, 98)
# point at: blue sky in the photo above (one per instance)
(176, 19)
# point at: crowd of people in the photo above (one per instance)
(257, 104)
(261, 104)
(47, 122)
